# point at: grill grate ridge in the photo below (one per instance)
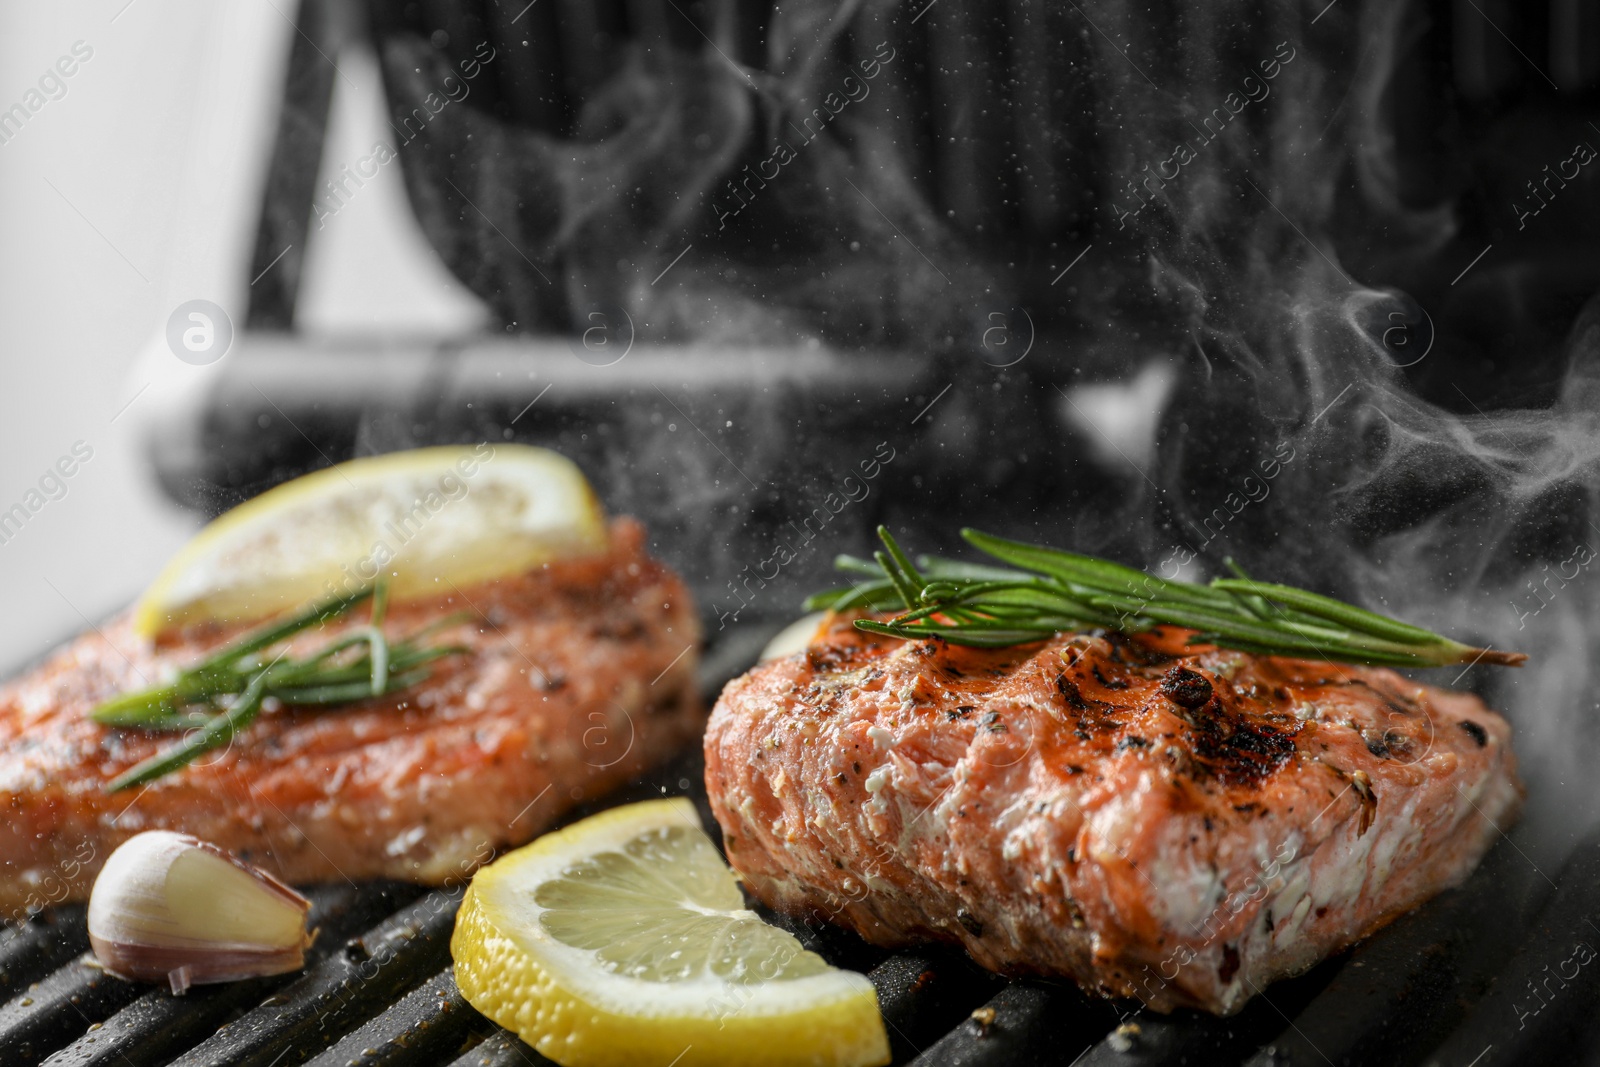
(159, 1026)
(427, 1025)
(31, 949)
(350, 986)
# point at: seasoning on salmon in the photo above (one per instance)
(1181, 824)
(578, 676)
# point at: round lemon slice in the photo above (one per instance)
(623, 939)
(423, 518)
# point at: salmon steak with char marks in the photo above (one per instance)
(1178, 823)
(578, 675)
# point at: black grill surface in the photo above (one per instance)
(1483, 970)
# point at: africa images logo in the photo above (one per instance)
(199, 332)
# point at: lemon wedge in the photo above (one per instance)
(623, 939)
(424, 517)
(796, 637)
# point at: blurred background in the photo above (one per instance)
(136, 189)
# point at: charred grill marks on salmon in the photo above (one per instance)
(1177, 823)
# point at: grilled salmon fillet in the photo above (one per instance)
(578, 675)
(1181, 824)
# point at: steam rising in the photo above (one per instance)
(1474, 524)
(997, 144)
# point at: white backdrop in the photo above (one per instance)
(133, 190)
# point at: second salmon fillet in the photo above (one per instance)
(1175, 823)
(577, 676)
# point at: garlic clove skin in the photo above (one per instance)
(168, 906)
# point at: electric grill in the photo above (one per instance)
(1479, 966)
(604, 169)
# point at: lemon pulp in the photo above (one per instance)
(624, 939)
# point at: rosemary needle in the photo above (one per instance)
(1045, 591)
(218, 697)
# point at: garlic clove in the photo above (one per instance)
(170, 906)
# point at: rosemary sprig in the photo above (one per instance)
(222, 695)
(1045, 591)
